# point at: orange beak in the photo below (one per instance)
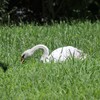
(22, 59)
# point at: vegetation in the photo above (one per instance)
(46, 10)
(3, 11)
(33, 80)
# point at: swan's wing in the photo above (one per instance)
(59, 55)
(77, 53)
(55, 54)
(81, 54)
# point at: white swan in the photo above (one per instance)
(60, 54)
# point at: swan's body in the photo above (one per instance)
(60, 54)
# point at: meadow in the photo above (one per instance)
(34, 80)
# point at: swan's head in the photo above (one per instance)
(25, 54)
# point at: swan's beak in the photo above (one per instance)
(22, 59)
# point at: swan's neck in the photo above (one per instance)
(45, 51)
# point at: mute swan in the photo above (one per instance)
(60, 54)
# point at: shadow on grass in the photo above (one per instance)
(4, 66)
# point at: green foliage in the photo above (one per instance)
(48, 10)
(33, 80)
(3, 10)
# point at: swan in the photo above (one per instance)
(58, 55)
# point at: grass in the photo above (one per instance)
(33, 80)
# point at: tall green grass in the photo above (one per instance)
(33, 80)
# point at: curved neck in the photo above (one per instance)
(45, 50)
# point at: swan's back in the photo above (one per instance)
(63, 53)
